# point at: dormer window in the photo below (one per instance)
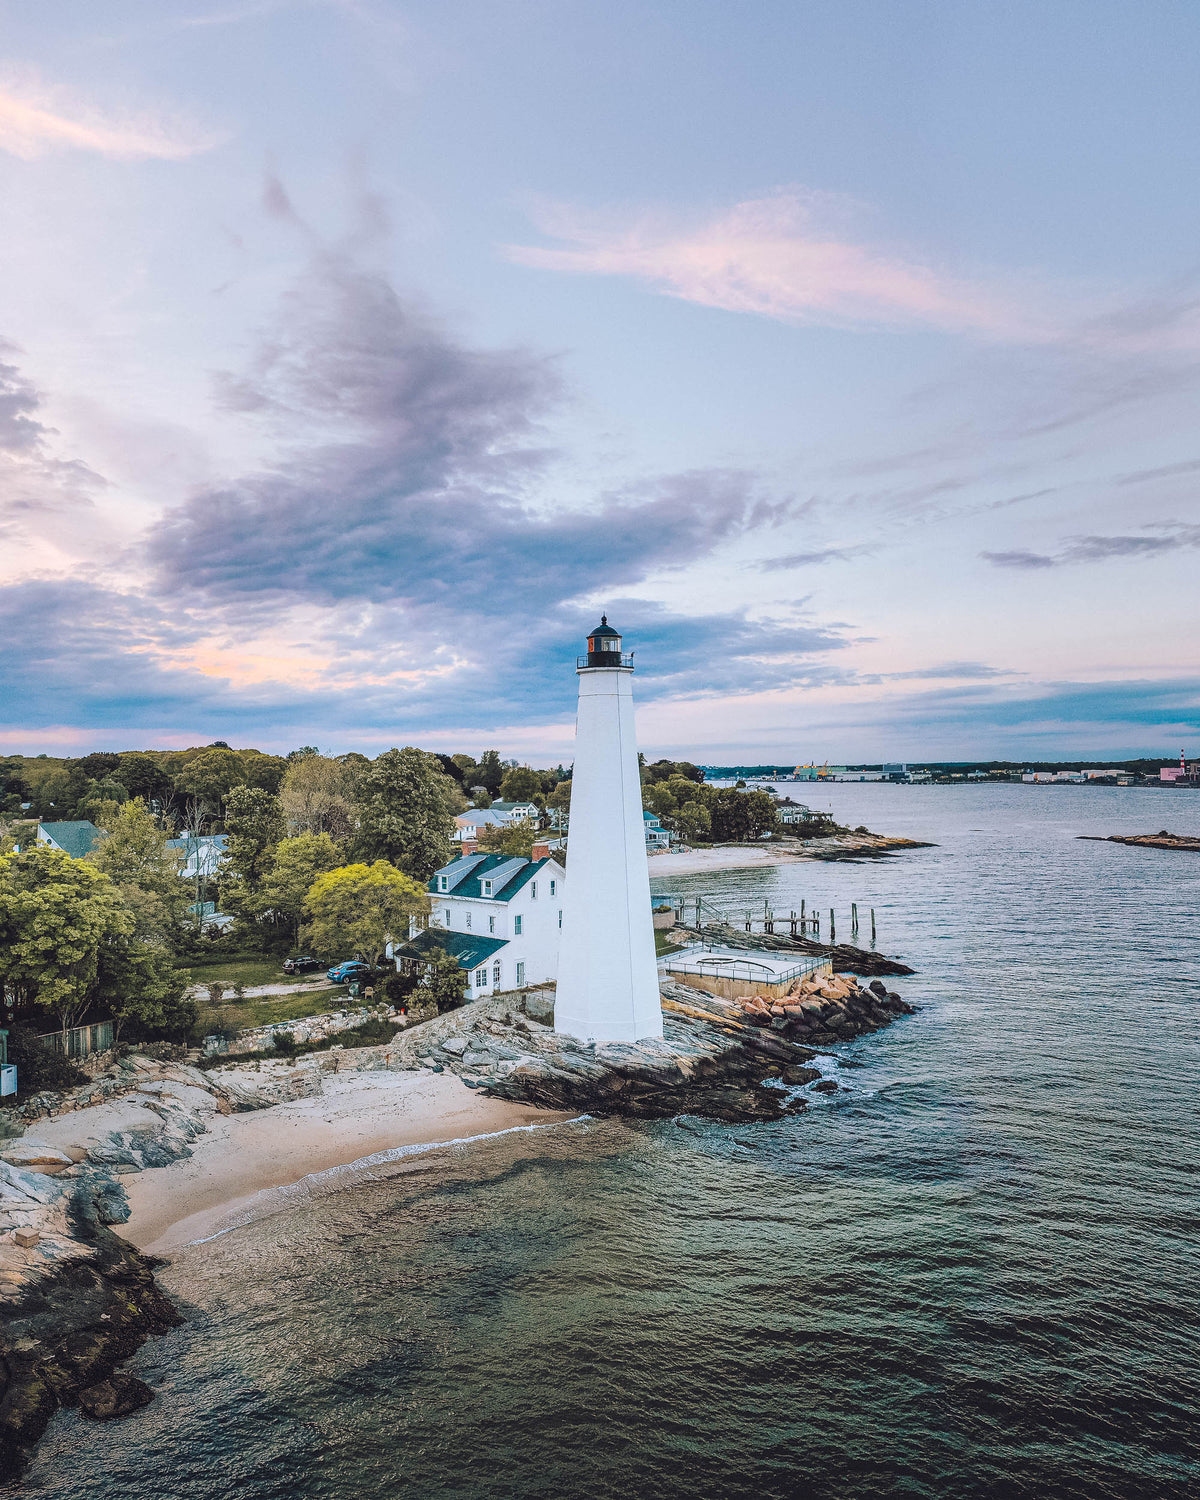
(443, 882)
(487, 887)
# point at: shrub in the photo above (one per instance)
(38, 1067)
(286, 1043)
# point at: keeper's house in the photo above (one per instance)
(499, 915)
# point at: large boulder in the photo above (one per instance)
(115, 1397)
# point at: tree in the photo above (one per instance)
(443, 983)
(692, 822)
(490, 772)
(59, 919)
(360, 909)
(481, 800)
(262, 771)
(145, 778)
(520, 785)
(404, 807)
(205, 782)
(100, 798)
(254, 823)
(296, 864)
(315, 797)
(509, 838)
(468, 768)
(559, 802)
(136, 855)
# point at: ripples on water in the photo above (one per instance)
(973, 1274)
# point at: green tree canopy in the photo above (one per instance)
(360, 909)
(265, 772)
(520, 784)
(490, 772)
(315, 796)
(136, 855)
(205, 782)
(405, 808)
(509, 838)
(254, 825)
(296, 864)
(63, 931)
(145, 777)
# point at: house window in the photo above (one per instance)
(533, 891)
(487, 887)
(446, 916)
(553, 887)
(496, 974)
(560, 918)
(517, 926)
(467, 919)
(491, 924)
(443, 882)
(520, 975)
(481, 977)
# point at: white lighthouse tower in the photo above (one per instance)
(607, 970)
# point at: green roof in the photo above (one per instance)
(75, 839)
(471, 951)
(464, 876)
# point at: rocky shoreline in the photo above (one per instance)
(1161, 840)
(78, 1299)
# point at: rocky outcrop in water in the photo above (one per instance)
(845, 958)
(1186, 842)
(719, 1059)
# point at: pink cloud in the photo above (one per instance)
(769, 256)
(35, 119)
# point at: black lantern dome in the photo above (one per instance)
(604, 646)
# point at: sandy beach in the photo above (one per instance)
(243, 1157)
(727, 857)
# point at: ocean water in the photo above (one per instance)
(971, 1273)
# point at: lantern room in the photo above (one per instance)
(604, 647)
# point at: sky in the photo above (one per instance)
(356, 354)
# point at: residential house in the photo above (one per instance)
(469, 825)
(202, 854)
(657, 837)
(499, 915)
(76, 838)
(515, 812)
(789, 811)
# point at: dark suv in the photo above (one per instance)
(303, 965)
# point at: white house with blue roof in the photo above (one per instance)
(500, 915)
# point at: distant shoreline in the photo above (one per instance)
(759, 856)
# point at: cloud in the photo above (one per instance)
(810, 559)
(416, 476)
(1172, 537)
(772, 256)
(35, 119)
(37, 489)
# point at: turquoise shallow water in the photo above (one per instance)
(972, 1274)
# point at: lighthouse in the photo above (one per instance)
(607, 970)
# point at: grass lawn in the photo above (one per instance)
(663, 943)
(268, 1008)
(251, 969)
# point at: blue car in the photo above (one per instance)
(351, 969)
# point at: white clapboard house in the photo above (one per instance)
(499, 915)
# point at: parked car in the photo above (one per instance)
(305, 965)
(351, 969)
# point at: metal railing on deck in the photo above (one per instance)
(80, 1041)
